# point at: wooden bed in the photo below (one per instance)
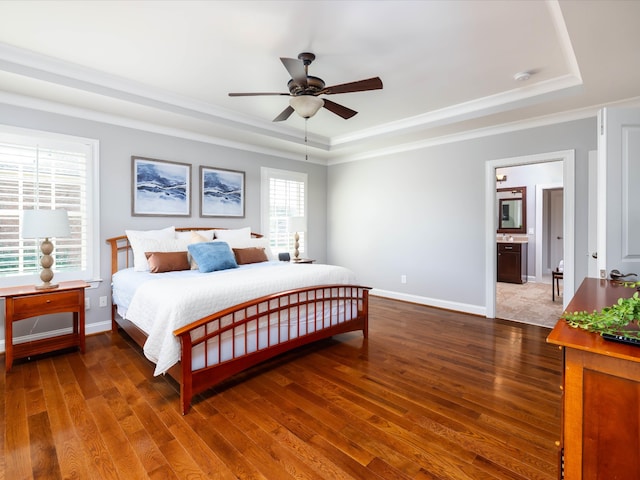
(208, 331)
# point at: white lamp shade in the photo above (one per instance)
(306, 105)
(45, 224)
(297, 224)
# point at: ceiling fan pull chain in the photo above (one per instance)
(306, 145)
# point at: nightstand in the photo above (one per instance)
(26, 302)
(302, 260)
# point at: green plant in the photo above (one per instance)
(611, 319)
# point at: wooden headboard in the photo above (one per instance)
(122, 255)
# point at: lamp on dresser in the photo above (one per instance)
(297, 225)
(45, 224)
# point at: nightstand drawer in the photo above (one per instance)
(32, 305)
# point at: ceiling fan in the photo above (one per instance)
(305, 89)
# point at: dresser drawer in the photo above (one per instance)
(32, 305)
(509, 247)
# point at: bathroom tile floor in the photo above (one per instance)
(528, 303)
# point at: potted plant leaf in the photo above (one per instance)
(620, 319)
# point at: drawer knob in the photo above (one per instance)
(48, 301)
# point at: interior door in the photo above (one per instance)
(556, 222)
(592, 221)
(618, 193)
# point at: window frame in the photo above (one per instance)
(267, 174)
(31, 137)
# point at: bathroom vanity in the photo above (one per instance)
(512, 240)
(512, 261)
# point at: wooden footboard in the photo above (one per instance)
(230, 341)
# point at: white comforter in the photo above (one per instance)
(161, 306)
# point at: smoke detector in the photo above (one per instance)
(522, 76)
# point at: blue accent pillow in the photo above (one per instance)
(212, 256)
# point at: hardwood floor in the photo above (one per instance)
(431, 394)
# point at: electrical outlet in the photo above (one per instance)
(603, 273)
(103, 301)
(87, 303)
(403, 279)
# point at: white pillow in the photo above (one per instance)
(138, 239)
(233, 235)
(208, 234)
(252, 242)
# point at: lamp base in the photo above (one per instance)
(46, 286)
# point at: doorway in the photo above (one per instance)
(568, 168)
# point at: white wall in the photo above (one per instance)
(117, 145)
(418, 213)
(421, 214)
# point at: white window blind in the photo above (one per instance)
(46, 173)
(284, 196)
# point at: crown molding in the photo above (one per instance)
(47, 69)
(101, 117)
(542, 121)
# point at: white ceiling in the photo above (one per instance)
(447, 66)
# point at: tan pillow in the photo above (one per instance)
(250, 255)
(197, 238)
(167, 261)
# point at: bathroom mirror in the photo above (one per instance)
(512, 210)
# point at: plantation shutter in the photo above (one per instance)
(41, 174)
(286, 199)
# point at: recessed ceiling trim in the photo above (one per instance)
(579, 114)
(86, 114)
(47, 69)
(563, 36)
(515, 98)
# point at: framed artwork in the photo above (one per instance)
(160, 188)
(221, 192)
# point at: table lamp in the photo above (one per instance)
(297, 224)
(45, 224)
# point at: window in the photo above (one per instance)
(284, 196)
(48, 171)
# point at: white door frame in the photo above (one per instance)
(568, 168)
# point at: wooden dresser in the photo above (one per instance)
(600, 436)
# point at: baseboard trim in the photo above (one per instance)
(431, 302)
(89, 329)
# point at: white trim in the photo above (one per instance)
(92, 148)
(118, 120)
(501, 102)
(90, 329)
(59, 72)
(266, 173)
(568, 159)
(431, 302)
(121, 121)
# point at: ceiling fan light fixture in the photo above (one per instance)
(306, 105)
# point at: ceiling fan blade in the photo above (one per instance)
(255, 94)
(338, 109)
(286, 113)
(360, 86)
(296, 69)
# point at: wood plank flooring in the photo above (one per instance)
(431, 394)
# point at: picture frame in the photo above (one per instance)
(222, 192)
(160, 188)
